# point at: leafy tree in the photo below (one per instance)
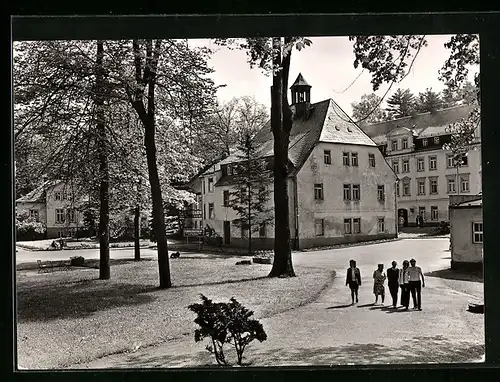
(401, 104)
(251, 190)
(273, 55)
(428, 101)
(27, 228)
(227, 126)
(369, 109)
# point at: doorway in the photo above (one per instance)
(403, 213)
(227, 232)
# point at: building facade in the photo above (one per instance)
(427, 174)
(340, 187)
(52, 204)
(466, 232)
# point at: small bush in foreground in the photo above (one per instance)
(226, 323)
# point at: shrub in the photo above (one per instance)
(27, 228)
(443, 228)
(226, 323)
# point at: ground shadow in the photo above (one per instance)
(446, 258)
(451, 274)
(340, 306)
(76, 299)
(423, 350)
(366, 305)
(220, 282)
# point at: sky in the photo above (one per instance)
(327, 65)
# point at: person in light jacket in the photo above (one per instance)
(353, 279)
(378, 283)
(404, 283)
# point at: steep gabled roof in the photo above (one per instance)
(38, 194)
(326, 122)
(424, 124)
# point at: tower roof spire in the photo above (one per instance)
(300, 81)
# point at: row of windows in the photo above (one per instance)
(60, 195)
(65, 215)
(451, 188)
(434, 212)
(351, 192)
(451, 162)
(351, 159)
(352, 226)
(404, 143)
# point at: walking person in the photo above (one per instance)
(353, 279)
(415, 274)
(378, 283)
(393, 282)
(404, 283)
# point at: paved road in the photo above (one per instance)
(329, 331)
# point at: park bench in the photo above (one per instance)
(51, 266)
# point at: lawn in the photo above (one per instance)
(84, 243)
(65, 318)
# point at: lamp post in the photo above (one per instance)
(137, 223)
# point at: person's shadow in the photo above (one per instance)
(340, 306)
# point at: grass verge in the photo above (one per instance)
(66, 318)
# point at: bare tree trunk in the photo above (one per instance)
(137, 233)
(281, 124)
(147, 118)
(249, 217)
(104, 267)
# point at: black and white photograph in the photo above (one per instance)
(248, 202)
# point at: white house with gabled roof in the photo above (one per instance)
(340, 187)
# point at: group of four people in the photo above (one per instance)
(409, 278)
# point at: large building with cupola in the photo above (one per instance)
(427, 174)
(340, 187)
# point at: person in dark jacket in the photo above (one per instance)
(393, 282)
(353, 279)
(404, 283)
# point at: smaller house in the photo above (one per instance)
(52, 204)
(466, 232)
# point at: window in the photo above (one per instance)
(34, 215)
(211, 212)
(421, 211)
(397, 189)
(420, 164)
(204, 211)
(405, 143)
(224, 170)
(345, 159)
(433, 186)
(381, 225)
(464, 183)
(356, 192)
(347, 226)
(406, 165)
(450, 161)
(432, 163)
(380, 192)
(59, 215)
(318, 191)
(371, 160)
(354, 159)
(477, 232)
(395, 166)
(436, 140)
(451, 185)
(424, 142)
(225, 198)
(210, 184)
(421, 186)
(465, 161)
(243, 195)
(58, 195)
(434, 213)
(347, 192)
(203, 185)
(229, 169)
(406, 188)
(262, 230)
(394, 145)
(71, 215)
(319, 227)
(327, 155)
(356, 225)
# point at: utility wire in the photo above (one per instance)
(352, 83)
